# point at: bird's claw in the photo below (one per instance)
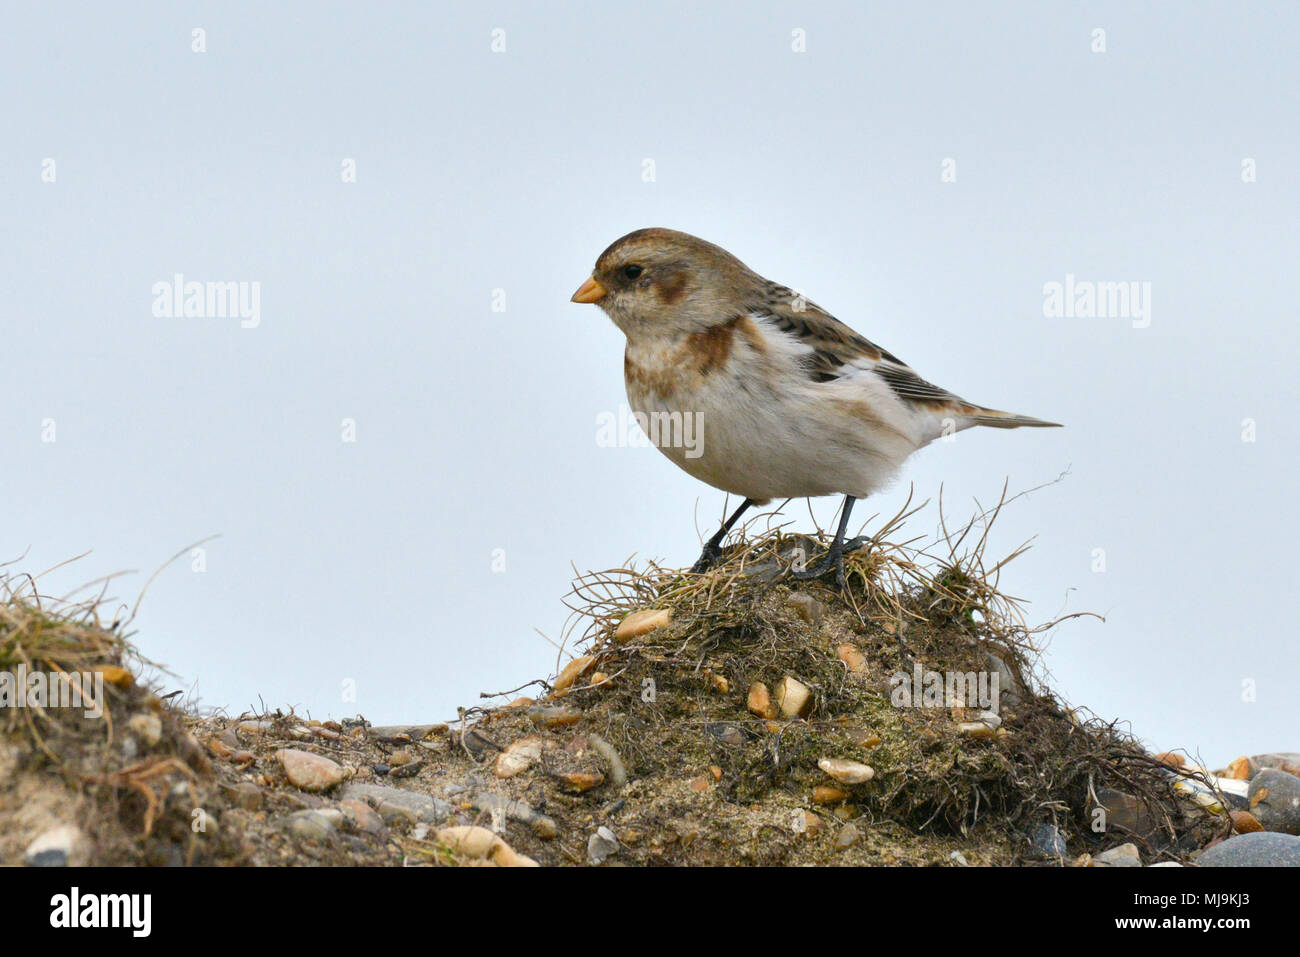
(708, 558)
(834, 561)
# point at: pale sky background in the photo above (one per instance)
(476, 171)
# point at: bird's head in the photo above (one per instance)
(664, 283)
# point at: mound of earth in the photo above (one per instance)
(733, 717)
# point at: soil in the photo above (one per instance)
(649, 748)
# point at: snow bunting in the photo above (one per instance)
(785, 401)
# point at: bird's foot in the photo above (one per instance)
(833, 562)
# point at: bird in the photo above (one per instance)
(780, 399)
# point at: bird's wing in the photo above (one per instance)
(834, 351)
(837, 352)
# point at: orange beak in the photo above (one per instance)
(589, 291)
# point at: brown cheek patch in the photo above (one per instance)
(672, 289)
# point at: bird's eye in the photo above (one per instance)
(632, 272)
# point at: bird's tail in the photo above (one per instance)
(978, 415)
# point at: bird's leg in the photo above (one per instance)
(713, 547)
(834, 559)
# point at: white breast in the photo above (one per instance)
(759, 427)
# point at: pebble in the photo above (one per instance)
(254, 727)
(864, 737)
(405, 733)
(248, 795)
(1242, 769)
(806, 607)
(192, 753)
(847, 836)
(572, 671)
(362, 816)
(480, 843)
(1243, 822)
(1126, 855)
(1288, 761)
(1237, 792)
(147, 727)
(1201, 793)
(847, 772)
(553, 717)
(1123, 813)
(310, 772)
(395, 804)
(518, 757)
(601, 845)
(62, 846)
(334, 815)
(760, 701)
(1010, 692)
(1274, 799)
(543, 826)
(1262, 849)
(793, 697)
(806, 822)
(469, 841)
(116, 675)
(732, 735)
(853, 658)
(826, 794)
(1048, 840)
(579, 781)
(313, 826)
(643, 622)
